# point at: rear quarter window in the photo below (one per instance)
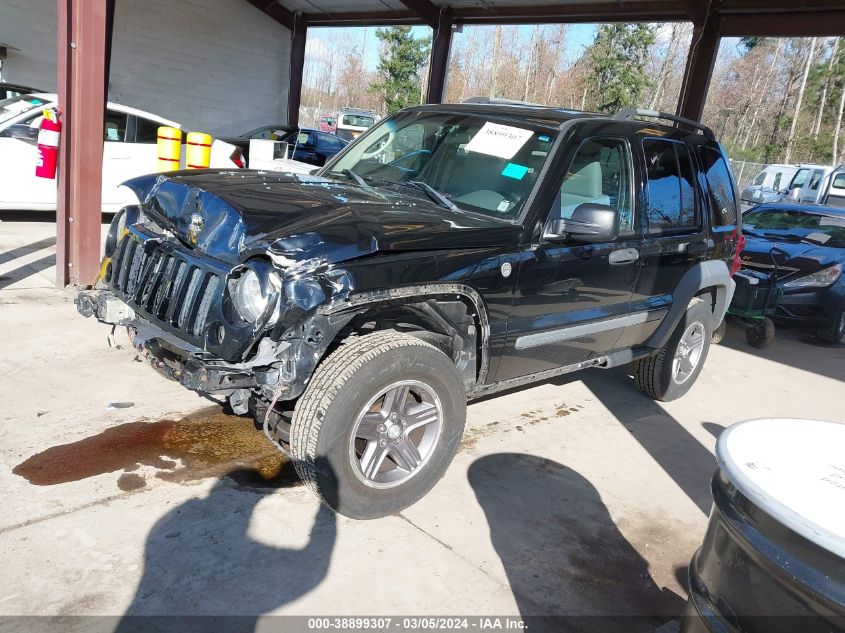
(720, 190)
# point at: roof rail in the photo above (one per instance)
(498, 101)
(628, 114)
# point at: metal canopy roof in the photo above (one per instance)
(735, 17)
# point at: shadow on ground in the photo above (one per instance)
(793, 348)
(671, 446)
(559, 545)
(201, 562)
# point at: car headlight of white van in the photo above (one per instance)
(255, 292)
(820, 279)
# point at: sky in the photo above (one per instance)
(579, 36)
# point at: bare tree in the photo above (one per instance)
(828, 78)
(799, 99)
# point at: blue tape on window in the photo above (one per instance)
(517, 172)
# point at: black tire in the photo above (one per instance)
(836, 332)
(340, 389)
(653, 374)
(720, 332)
(761, 334)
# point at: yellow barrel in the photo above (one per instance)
(169, 148)
(198, 151)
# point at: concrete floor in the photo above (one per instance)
(578, 497)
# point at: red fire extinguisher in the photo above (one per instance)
(48, 145)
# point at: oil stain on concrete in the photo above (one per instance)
(209, 443)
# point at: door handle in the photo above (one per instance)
(623, 256)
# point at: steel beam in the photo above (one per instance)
(699, 69)
(819, 23)
(82, 28)
(299, 34)
(439, 63)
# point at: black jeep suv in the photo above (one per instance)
(450, 252)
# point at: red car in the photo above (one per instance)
(328, 123)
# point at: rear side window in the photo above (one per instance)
(330, 142)
(816, 180)
(719, 187)
(671, 186)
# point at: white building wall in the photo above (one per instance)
(217, 66)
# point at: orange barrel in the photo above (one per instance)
(198, 151)
(169, 146)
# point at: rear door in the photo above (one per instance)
(572, 298)
(674, 228)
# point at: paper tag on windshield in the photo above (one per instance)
(502, 141)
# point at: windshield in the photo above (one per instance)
(357, 120)
(10, 108)
(479, 164)
(814, 227)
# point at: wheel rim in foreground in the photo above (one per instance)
(395, 434)
(688, 353)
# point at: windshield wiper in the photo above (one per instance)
(435, 195)
(354, 175)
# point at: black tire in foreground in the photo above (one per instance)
(378, 424)
(672, 371)
(836, 332)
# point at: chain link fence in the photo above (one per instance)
(744, 172)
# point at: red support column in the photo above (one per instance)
(82, 99)
(700, 62)
(299, 34)
(439, 63)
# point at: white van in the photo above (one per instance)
(352, 122)
(813, 186)
(768, 185)
(834, 194)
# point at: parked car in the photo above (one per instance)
(10, 91)
(352, 122)
(814, 186)
(768, 186)
(328, 124)
(306, 145)
(810, 251)
(451, 252)
(129, 150)
(834, 193)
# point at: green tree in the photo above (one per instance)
(399, 69)
(619, 59)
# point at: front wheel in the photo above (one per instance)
(672, 371)
(378, 424)
(836, 332)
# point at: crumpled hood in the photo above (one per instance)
(235, 215)
(801, 256)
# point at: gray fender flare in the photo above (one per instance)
(709, 274)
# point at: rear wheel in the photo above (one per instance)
(836, 332)
(378, 424)
(672, 371)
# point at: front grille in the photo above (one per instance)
(167, 287)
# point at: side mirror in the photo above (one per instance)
(590, 222)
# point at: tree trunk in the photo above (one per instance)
(798, 101)
(823, 101)
(838, 129)
(497, 44)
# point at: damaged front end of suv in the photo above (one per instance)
(237, 296)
